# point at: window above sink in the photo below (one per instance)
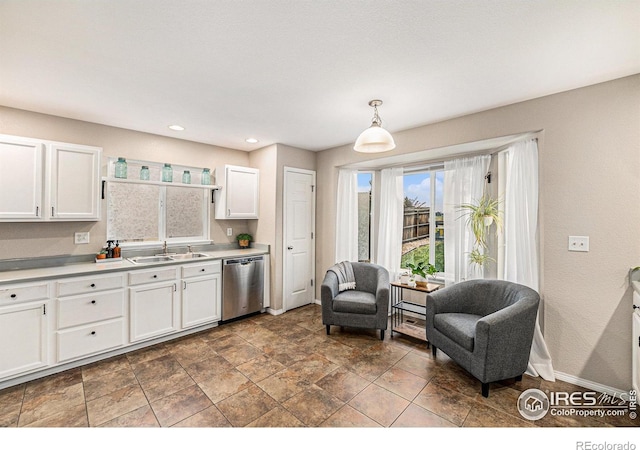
(144, 213)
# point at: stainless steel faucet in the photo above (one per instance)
(164, 247)
(189, 249)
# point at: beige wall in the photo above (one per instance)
(298, 159)
(271, 161)
(264, 230)
(589, 185)
(20, 240)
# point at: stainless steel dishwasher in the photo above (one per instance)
(242, 286)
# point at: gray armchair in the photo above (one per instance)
(365, 307)
(486, 326)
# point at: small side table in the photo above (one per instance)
(406, 324)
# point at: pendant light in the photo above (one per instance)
(374, 139)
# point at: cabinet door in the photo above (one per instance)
(21, 162)
(153, 310)
(74, 182)
(23, 333)
(239, 196)
(201, 300)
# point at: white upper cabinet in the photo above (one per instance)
(21, 178)
(48, 181)
(75, 174)
(238, 195)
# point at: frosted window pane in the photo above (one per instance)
(132, 212)
(185, 212)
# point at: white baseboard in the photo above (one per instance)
(275, 312)
(589, 384)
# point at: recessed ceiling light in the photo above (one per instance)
(251, 140)
(176, 127)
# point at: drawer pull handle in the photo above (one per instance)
(155, 276)
(13, 295)
(93, 285)
(93, 333)
(93, 302)
(202, 270)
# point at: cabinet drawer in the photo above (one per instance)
(90, 308)
(151, 276)
(23, 293)
(82, 341)
(89, 284)
(194, 270)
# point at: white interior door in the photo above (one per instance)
(299, 233)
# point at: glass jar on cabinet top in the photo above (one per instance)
(144, 173)
(167, 173)
(121, 168)
(205, 179)
(186, 177)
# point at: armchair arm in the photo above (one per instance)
(328, 291)
(382, 290)
(503, 339)
(329, 288)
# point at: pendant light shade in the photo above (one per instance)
(375, 139)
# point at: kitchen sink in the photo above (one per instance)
(189, 256)
(150, 259)
(165, 258)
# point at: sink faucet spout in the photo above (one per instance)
(164, 247)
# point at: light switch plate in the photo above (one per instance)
(81, 238)
(229, 231)
(578, 243)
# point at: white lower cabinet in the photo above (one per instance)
(59, 322)
(201, 293)
(24, 328)
(92, 319)
(23, 332)
(153, 306)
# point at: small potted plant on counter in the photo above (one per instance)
(244, 239)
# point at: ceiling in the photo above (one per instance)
(301, 72)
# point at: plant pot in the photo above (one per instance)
(488, 220)
(404, 279)
(421, 282)
(243, 243)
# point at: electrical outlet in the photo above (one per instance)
(578, 243)
(229, 231)
(81, 238)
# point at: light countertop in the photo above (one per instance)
(88, 268)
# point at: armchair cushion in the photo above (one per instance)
(460, 327)
(356, 302)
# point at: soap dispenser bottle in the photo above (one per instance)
(116, 250)
(109, 249)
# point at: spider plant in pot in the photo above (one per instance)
(481, 215)
(244, 239)
(421, 270)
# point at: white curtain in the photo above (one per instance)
(520, 236)
(347, 216)
(464, 180)
(390, 225)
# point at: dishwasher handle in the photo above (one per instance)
(242, 261)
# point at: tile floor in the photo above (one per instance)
(276, 371)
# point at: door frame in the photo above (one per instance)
(287, 170)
